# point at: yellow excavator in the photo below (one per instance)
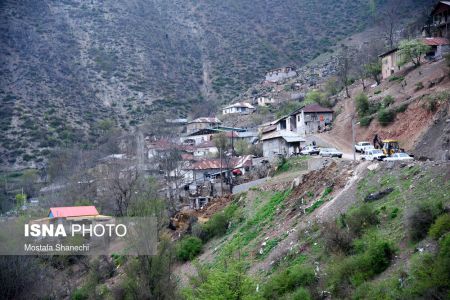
(390, 147)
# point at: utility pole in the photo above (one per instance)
(221, 175)
(353, 137)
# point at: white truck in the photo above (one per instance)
(373, 154)
(363, 146)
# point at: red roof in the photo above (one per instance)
(213, 163)
(73, 211)
(436, 41)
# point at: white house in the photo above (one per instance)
(206, 148)
(280, 74)
(265, 100)
(238, 108)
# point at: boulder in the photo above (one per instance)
(378, 195)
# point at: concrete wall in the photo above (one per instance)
(308, 123)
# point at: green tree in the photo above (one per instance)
(317, 97)
(242, 147)
(362, 104)
(374, 71)
(412, 51)
(20, 200)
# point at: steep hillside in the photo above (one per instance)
(68, 64)
(358, 232)
(420, 106)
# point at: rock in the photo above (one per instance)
(378, 195)
(296, 182)
(373, 166)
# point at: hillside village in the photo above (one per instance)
(327, 181)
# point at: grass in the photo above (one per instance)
(251, 228)
(319, 202)
(290, 164)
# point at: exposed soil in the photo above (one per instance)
(409, 127)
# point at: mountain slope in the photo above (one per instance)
(67, 64)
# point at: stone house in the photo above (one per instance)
(310, 119)
(280, 74)
(202, 123)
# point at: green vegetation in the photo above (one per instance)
(289, 164)
(318, 97)
(386, 116)
(289, 280)
(188, 248)
(412, 51)
(362, 104)
(374, 70)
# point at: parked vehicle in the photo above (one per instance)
(398, 157)
(373, 154)
(391, 146)
(330, 152)
(362, 146)
(310, 150)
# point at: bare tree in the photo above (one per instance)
(343, 69)
(389, 22)
(170, 165)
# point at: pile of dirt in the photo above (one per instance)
(435, 143)
(411, 126)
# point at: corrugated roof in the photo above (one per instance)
(315, 108)
(206, 120)
(73, 211)
(289, 136)
(388, 52)
(436, 41)
(240, 104)
(214, 163)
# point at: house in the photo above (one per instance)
(198, 136)
(310, 119)
(280, 74)
(206, 148)
(265, 100)
(389, 63)
(439, 47)
(390, 59)
(238, 108)
(73, 211)
(205, 169)
(438, 26)
(202, 123)
(281, 142)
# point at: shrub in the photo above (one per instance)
(365, 121)
(361, 218)
(288, 280)
(420, 219)
(419, 86)
(402, 108)
(300, 294)
(362, 104)
(188, 248)
(396, 78)
(440, 226)
(385, 117)
(373, 259)
(388, 100)
(337, 239)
